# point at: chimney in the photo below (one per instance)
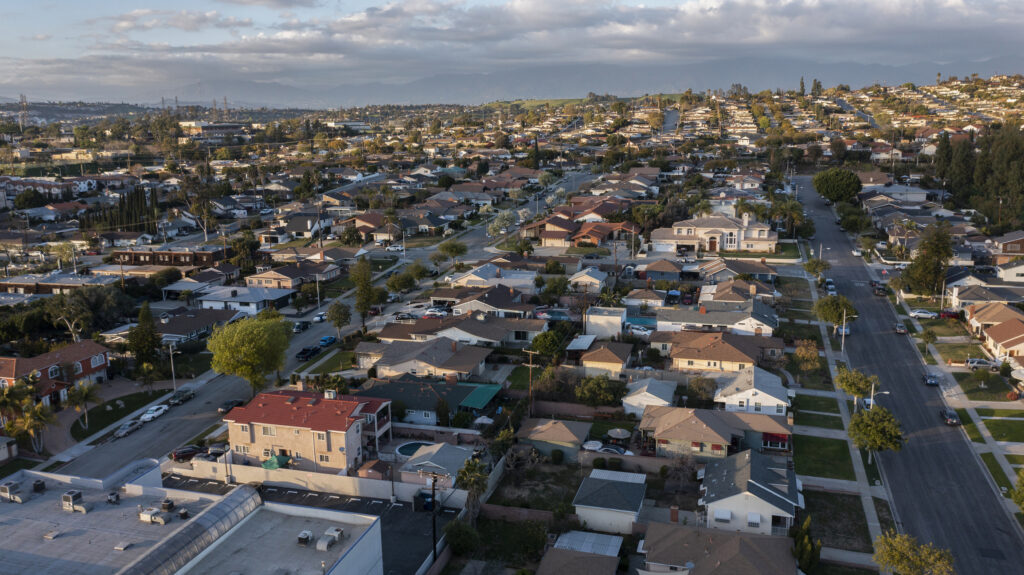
(497, 272)
(753, 290)
(234, 293)
(746, 219)
(451, 379)
(703, 310)
(455, 347)
(673, 514)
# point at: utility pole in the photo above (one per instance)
(531, 365)
(434, 476)
(174, 380)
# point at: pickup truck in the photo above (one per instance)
(307, 353)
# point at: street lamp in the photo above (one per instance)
(842, 345)
(174, 380)
(873, 395)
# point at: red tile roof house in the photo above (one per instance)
(88, 360)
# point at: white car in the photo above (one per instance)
(923, 314)
(394, 249)
(639, 330)
(320, 317)
(857, 253)
(153, 413)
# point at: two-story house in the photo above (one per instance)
(716, 234)
(56, 371)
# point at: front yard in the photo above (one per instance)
(818, 420)
(959, 352)
(785, 251)
(100, 418)
(995, 389)
(817, 378)
(582, 251)
(796, 331)
(822, 457)
(423, 241)
(838, 520)
(794, 288)
(1006, 429)
(340, 361)
(817, 403)
(943, 327)
(996, 472)
(969, 426)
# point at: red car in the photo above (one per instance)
(687, 299)
(949, 313)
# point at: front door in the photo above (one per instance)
(712, 244)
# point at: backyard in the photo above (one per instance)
(822, 457)
(519, 378)
(838, 520)
(540, 486)
(99, 417)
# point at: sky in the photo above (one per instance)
(143, 50)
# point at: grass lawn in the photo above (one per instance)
(910, 327)
(994, 390)
(340, 361)
(884, 514)
(822, 457)
(296, 243)
(824, 568)
(838, 520)
(818, 378)
(602, 426)
(201, 438)
(100, 418)
(15, 465)
(872, 469)
(997, 472)
(793, 288)
(793, 313)
(785, 251)
(969, 426)
(423, 241)
(582, 251)
(924, 303)
(520, 378)
(794, 331)
(818, 420)
(817, 403)
(337, 287)
(923, 349)
(1014, 459)
(943, 327)
(192, 364)
(989, 412)
(959, 352)
(381, 264)
(1006, 429)
(305, 367)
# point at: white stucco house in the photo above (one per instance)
(648, 391)
(610, 501)
(750, 492)
(753, 390)
(605, 322)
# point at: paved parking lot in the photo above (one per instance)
(405, 534)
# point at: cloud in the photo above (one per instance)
(37, 37)
(274, 3)
(188, 20)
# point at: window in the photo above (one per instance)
(754, 520)
(325, 458)
(696, 446)
(78, 367)
(743, 365)
(53, 372)
(244, 428)
(689, 362)
(750, 246)
(98, 360)
(296, 456)
(780, 409)
(740, 404)
(267, 430)
(266, 453)
(298, 432)
(241, 449)
(321, 436)
(757, 406)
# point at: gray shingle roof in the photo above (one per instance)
(765, 477)
(610, 494)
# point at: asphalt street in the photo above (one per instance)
(940, 489)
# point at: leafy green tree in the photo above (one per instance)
(943, 156)
(502, 442)
(444, 413)
(503, 221)
(166, 277)
(838, 148)
(876, 429)
(339, 314)
(473, 478)
(806, 355)
(901, 553)
(834, 309)
(926, 273)
(453, 249)
(856, 383)
(143, 340)
(600, 390)
(402, 282)
(553, 267)
(806, 550)
(548, 343)
(837, 184)
(30, 198)
(556, 286)
(417, 270)
(462, 537)
(438, 258)
(816, 266)
(251, 348)
(362, 276)
(12, 398)
(80, 396)
(928, 337)
(351, 237)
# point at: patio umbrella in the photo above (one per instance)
(618, 433)
(277, 462)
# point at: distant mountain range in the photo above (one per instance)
(573, 81)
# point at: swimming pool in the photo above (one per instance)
(408, 449)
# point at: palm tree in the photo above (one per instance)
(703, 207)
(33, 420)
(11, 398)
(790, 211)
(473, 478)
(81, 396)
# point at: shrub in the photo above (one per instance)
(462, 537)
(615, 464)
(1012, 395)
(663, 472)
(557, 456)
(1005, 369)
(600, 463)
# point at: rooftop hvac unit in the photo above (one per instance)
(71, 501)
(330, 537)
(11, 491)
(305, 537)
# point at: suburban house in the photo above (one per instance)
(721, 269)
(1007, 247)
(490, 275)
(753, 390)
(604, 322)
(589, 280)
(498, 300)
(610, 501)
(292, 276)
(420, 397)
(55, 282)
(1006, 339)
(251, 300)
(644, 298)
(606, 358)
(183, 257)
(983, 316)
(475, 329)
(86, 361)
(186, 324)
(645, 392)
(667, 270)
(441, 357)
(716, 350)
(750, 492)
(744, 318)
(686, 550)
(714, 234)
(736, 290)
(440, 460)
(548, 435)
(712, 434)
(318, 433)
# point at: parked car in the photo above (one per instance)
(857, 253)
(881, 291)
(881, 245)
(186, 453)
(308, 353)
(639, 330)
(379, 242)
(395, 248)
(327, 340)
(394, 297)
(127, 428)
(842, 329)
(976, 363)
(181, 396)
(592, 256)
(931, 379)
(949, 416)
(443, 312)
(300, 326)
(229, 405)
(614, 449)
(320, 317)
(375, 310)
(900, 328)
(831, 290)
(687, 299)
(949, 313)
(923, 314)
(154, 412)
(404, 316)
